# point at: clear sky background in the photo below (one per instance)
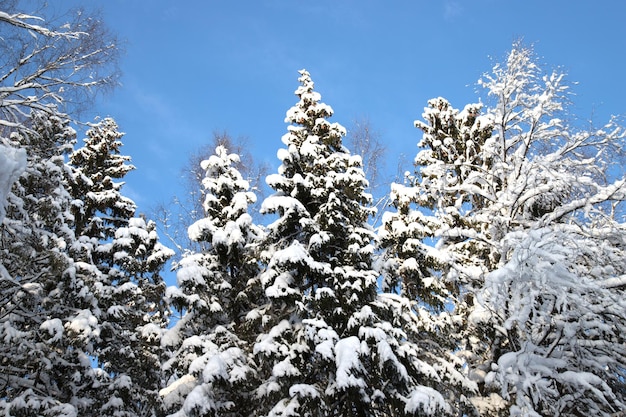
(194, 67)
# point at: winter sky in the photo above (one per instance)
(198, 66)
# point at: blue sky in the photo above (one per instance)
(193, 67)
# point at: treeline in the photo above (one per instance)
(494, 285)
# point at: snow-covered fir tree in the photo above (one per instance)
(487, 189)
(47, 326)
(136, 318)
(331, 345)
(210, 367)
(121, 260)
(435, 198)
(100, 207)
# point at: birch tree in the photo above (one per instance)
(52, 67)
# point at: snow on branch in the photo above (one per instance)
(615, 282)
(612, 192)
(45, 67)
(12, 164)
(20, 20)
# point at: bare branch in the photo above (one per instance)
(53, 67)
(615, 282)
(364, 140)
(20, 20)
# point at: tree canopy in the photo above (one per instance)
(493, 286)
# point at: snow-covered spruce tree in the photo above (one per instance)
(135, 320)
(436, 198)
(518, 169)
(100, 207)
(175, 219)
(428, 202)
(210, 369)
(120, 258)
(331, 345)
(46, 322)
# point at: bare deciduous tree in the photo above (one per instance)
(363, 139)
(52, 63)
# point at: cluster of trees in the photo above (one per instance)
(493, 286)
(82, 297)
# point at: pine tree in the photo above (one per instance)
(47, 326)
(433, 205)
(331, 344)
(121, 260)
(210, 368)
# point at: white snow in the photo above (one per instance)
(614, 282)
(85, 324)
(180, 387)
(275, 202)
(285, 408)
(54, 327)
(427, 400)
(151, 331)
(216, 368)
(303, 390)
(12, 164)
(294, 254)
(310, 147)
(267, 344)
(281, 287)
(190, 273)
(285, 368)
(348, 363)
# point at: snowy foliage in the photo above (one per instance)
(209, 369)
(563, 347)
(13, 163)
(554, 177)
(46, 326)
(330, 343)
(75, 295)
(121, 259)
(494, 286)
(98, 164)
(509, 206)
(49, 314)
